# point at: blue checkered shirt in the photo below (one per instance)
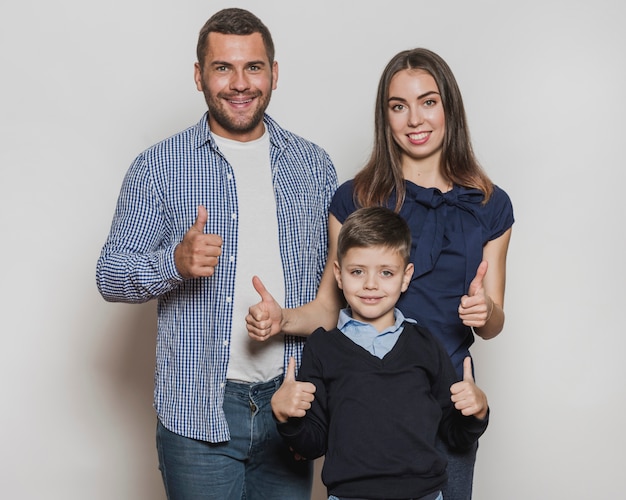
(156, 206)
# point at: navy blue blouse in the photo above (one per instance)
(449, 231)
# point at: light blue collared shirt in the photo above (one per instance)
(366, 336)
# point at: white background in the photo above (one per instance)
(88, 85)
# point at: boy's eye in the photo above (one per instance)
(386, 273)
(356, 272)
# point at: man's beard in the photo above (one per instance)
(233, 122)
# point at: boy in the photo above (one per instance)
(376, 391)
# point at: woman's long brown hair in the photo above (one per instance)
(382, 174)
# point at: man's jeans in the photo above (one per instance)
(254, 465)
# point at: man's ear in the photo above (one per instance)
(274, 75)
(197, 76)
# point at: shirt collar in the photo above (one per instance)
(278, 136)
(345, 318)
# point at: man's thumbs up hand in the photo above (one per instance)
(197, 255)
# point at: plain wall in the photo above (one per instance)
(88, 85)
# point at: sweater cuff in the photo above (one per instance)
(291, 428)
(478, 423)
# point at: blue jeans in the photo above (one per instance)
(254, 465)
(460, 472)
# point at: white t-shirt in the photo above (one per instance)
(258, 253)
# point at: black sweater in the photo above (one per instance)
(378, 420)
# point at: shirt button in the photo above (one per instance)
(233, 216)
(229, 177)
(231, 258)
(225, 343)
(229, 300)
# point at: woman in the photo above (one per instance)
(423, 166)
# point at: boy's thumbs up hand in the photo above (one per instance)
(293, 398)
(467, 397)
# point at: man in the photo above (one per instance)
(198, 213)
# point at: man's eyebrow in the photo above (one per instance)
(260, 62)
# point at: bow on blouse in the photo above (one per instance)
(440, 206)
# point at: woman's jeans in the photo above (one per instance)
(254, 465)
(460, 472)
